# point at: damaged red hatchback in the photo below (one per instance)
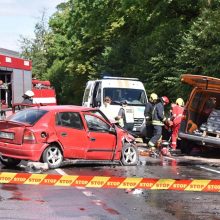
(52, 134)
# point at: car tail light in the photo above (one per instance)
(29, 137)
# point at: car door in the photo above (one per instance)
(101, 141)
(71, 134)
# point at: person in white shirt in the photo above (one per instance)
(107, 109)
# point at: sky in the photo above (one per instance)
(18, 17)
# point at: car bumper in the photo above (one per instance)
(29, 152)
(201, 140)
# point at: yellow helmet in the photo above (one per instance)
(180, 102)
(153, 96)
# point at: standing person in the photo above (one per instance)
(148, 116)
(28, 97)
(125, 117)
(176, 118)
(106, 108)
(158, 119)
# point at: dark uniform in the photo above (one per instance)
(158, 119)
(148, 119)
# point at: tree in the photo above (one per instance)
(35, 50)
(156, 41)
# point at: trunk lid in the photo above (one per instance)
(11, 132)
(203, 82)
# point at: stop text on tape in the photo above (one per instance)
(110, 182)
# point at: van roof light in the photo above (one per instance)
(120, 78)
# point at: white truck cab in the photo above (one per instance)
(118, 89)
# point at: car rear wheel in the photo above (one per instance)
(129, 155)
(53, 156)
(9, 162)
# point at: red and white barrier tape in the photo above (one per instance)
(110, 182)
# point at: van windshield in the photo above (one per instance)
(132, 96)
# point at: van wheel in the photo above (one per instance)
(129, 155)
(9, 162)
(53, 156)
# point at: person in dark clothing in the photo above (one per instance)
(148, 116)
(125, 116)
(158, 119)
(27, 97)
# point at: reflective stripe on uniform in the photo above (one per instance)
(156, 122)
(151, 144)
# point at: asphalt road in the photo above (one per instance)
(50, 202)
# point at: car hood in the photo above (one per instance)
(199, 81)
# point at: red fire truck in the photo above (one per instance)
(16, 79)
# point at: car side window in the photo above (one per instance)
(69, 119)
(96, 124)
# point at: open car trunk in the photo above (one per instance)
(203, 116)
(202, 82)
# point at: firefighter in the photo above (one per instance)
(158, 119)
(175, 120)
(28, 97)
(125, 116)
(148, 116)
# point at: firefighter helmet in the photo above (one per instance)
(180, 102)
(165, 100)
(29, 93)
(153, 96)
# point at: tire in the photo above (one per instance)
(53, 156)
(129, 155)
(9, 162)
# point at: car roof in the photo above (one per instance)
(75, 108)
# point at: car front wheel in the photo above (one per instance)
(53, 156)
(129, 155)
(9, 162)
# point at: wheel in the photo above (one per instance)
(129, 155)
(53, 156)
(9, 162)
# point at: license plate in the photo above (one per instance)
(6, 135)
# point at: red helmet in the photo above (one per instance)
(165, 100)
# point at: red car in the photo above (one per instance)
(51, 134)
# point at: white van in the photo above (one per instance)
(118, 89)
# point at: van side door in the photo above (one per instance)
(96, 96)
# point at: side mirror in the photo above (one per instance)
(112, 130)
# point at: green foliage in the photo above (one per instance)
(35, 50)
(156, 41)
(201, 45)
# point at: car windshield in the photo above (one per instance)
(132, 96)
(30, 116)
